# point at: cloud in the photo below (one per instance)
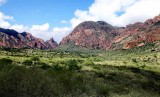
(118, 12)
(43, 27)
(59, 33)
(64, 22)
(4, 20)
(19, 28)
(81, 16)
(40, 31)
(2, 2)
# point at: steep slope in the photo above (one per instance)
(97, 35)
(139, 34)
(51, 43)
(100, 35)
(13, 39)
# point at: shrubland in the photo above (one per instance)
(60, 73)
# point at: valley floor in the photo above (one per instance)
(59, 73)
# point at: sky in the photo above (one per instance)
(57, 18)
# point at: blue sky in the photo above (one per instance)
(28, 12)
(57, 18)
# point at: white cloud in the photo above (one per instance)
(42, 31)
(39, 31)
(81, 16)
(43, 27)
(19, 28)
(64, 22)
(59, 33)
(140, 11)
(4, 24)
(107, 10)
(4, 20)
(2, 2)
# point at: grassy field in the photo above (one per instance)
(83, 73)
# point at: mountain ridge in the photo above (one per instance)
(13, 39)
(101, 35)
(90, 34)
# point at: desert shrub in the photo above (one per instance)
(34, 61)
(88, 63)
(134, 60)
(27, 63)
(44, 65)
(73, 65)
(35, 58)
(21, 82)
(57, 67)
(5, 61)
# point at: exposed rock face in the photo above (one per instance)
(100, 35)
(51, 43)
(97, 35)
(139, 34)
(13, 39)
(89, 34)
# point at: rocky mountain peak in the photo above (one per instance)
(13, 39)
(102, 35)
(91, 34)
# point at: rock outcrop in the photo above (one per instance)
(97, 35)
(89, 34)
(13, 39)
(139, 34)
(100, 35)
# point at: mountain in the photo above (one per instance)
(97, 35)
(13, 39)
(101, 35)
(92, 35)
(140, 34)
(50, 44)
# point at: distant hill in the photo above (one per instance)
(13, 39)
(101, 35)
(91, 35)
(97, 35)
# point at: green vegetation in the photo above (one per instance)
(84, 73)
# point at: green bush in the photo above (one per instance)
(88, 63)
(57, 67)
(21, 82)
(34, 61)
(27, 63)
(5, 61)
(44, 65)
(35, 58)
(134, 60)
(73, 65)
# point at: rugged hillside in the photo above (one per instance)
(97, 35)
(100, 35)
(93, 35)
(139, 34)
(13, 39)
